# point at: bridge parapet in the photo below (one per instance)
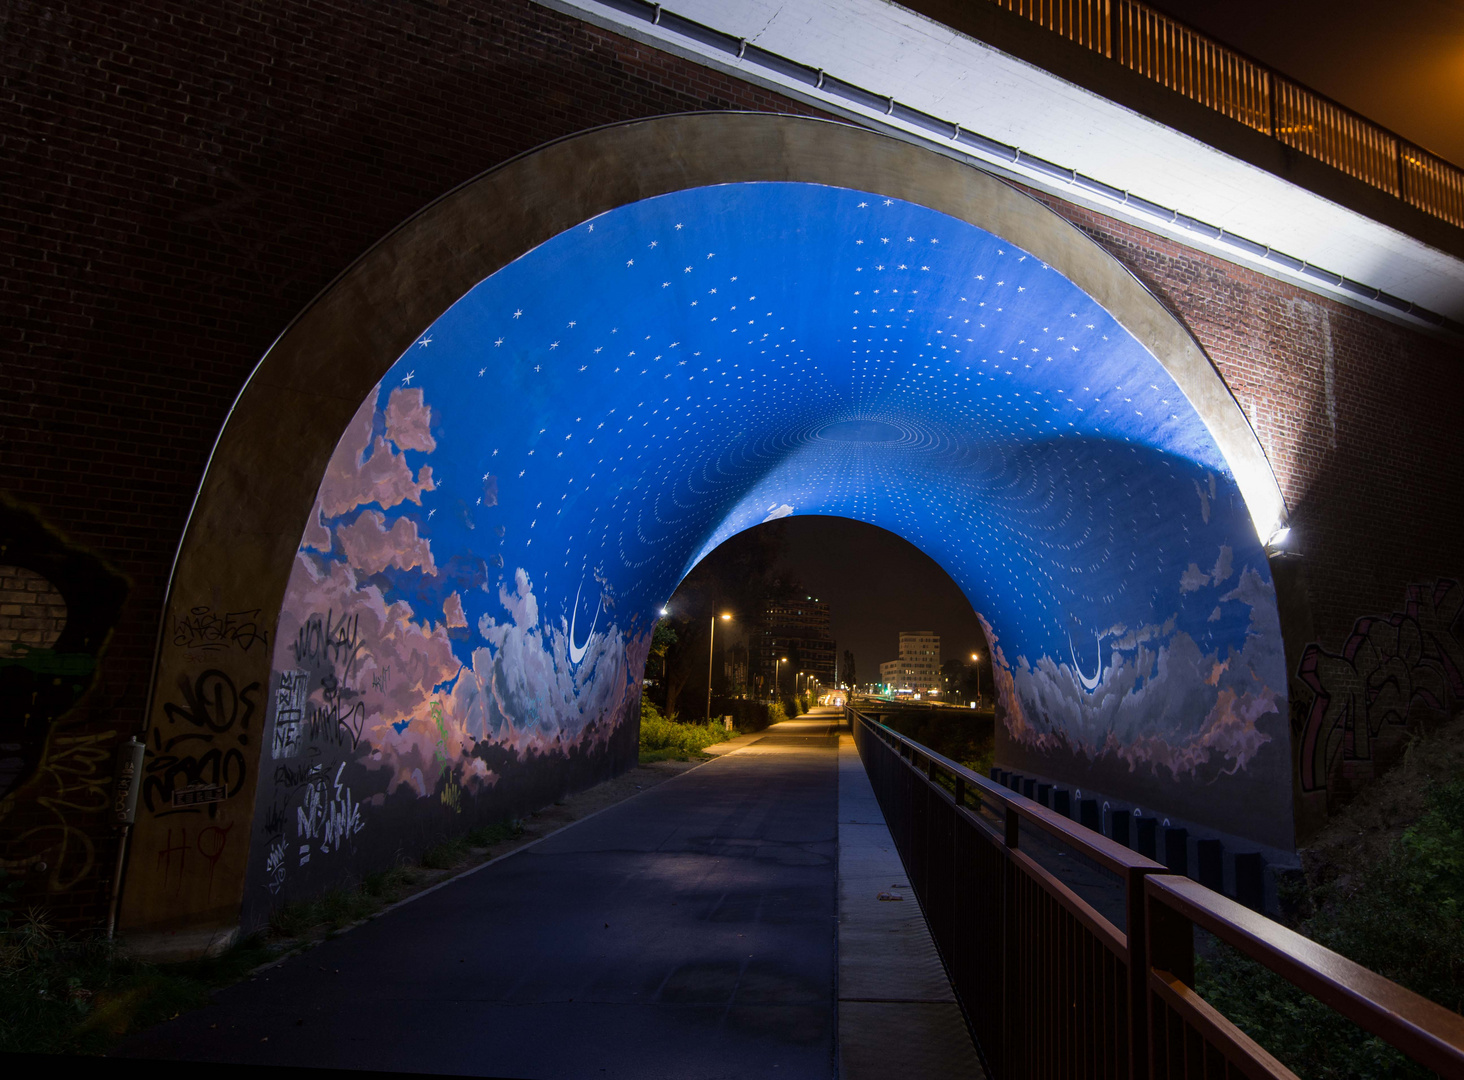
(1051, 985)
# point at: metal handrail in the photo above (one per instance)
(1427, 1032)
(1157, 943)
(1173, 54)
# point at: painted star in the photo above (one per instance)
(407, 379)
(518, 313)
(424, 342)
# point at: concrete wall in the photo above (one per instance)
(186, 179)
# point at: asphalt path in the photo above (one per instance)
(687, 932)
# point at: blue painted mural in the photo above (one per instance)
(528, 484)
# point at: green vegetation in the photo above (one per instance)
(77, 994)
(664, 739)
(1401, 916)
(73, 993)
(965, 736)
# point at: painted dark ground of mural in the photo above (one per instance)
(527, 485)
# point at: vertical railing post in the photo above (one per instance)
(1135, 913)
(1270, 85)
(1171, 949)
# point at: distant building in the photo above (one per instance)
(799, 630)
(918, 668)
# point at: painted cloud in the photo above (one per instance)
(1155, 683)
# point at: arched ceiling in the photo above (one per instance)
(626, 396)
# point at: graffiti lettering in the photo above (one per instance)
(76, 780)
(188, 758)
(1389, 667)
(274, 867)
(328, 640)
(289, 714)
(335, 722)
(173, 855)
(330, 817)
(204, 628)
(212, 702)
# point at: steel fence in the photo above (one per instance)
(1054, 988)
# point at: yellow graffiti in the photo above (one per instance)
(77, 782)
(452, 792)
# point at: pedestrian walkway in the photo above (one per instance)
(687, 932)
(898, 1016)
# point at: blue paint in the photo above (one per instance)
(617, 402)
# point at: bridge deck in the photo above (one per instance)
(687, 932)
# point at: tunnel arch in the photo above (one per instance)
(470, 356)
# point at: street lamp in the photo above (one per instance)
(974, 658)
(710, 645)
(777, 686)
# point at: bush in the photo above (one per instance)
(776, 713)
(1402, 919)
(661, 738)
(747, 715)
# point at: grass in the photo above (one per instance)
(78, 994)
(664, 739)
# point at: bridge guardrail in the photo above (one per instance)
(1060, 990)
(1175, 55)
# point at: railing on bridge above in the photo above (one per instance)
(1055, 987)
(1172, 54)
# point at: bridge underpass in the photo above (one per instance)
(464, 482)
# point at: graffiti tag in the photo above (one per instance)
(204, 628)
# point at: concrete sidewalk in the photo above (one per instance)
(898, 1016)
(686, 932)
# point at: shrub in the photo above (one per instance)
(1402, 919)
(661, 738)
(776, 713)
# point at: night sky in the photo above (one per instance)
(875, 585)
(1400, 64)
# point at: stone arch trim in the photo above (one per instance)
(260, 483)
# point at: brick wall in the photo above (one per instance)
(183, 178)
(32, 612)
(1352, 410)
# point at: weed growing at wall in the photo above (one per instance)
(73, 993)
(1402, 916)
(663, 738)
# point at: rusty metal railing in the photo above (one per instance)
(1167, 51)
(1051, 986)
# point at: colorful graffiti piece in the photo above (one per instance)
(1389, 668)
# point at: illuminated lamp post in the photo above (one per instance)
(777, 686)
(710, 645)
(975, 657)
